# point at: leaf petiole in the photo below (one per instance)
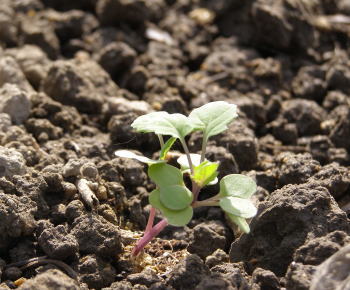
(195, 190)
(204, 146)
(212, 201)
(184, 145)
(206, 202)
(161, 140)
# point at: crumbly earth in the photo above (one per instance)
(75, 74)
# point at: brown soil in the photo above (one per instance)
(75, 74)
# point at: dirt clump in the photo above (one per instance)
(74, 75)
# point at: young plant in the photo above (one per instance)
(171, 196)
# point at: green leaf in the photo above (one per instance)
(183, 161)
(174, 217)
(164, 174)
(144, 122)
(240, 222)
(132, 155)
(163, 123)
(213, 117)
(154, 199)
(179, 218)
(167, 147)
(175, 197)
(205, 173)
(238, 206)
(237, 185)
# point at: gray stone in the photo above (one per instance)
(241, 142)
(5, 122)
(334, 272)
(272, 16)
(188, 273)
(8, 31)
(72, 167)
(216, 258)
(318, 250)
(15, 102)
(299, 276)
(296, 168)
(51, 279)
(95, 272)
(33, 62)
(11, 162)
(291, 216)
(206, 237)
(146, 277)
(339, 134)
(306, 114)
(10, 72)
(40, 31)
(97, 236)
(17, 218)
(265, 279)
(81, 83)
(116, 11)
(57, 243)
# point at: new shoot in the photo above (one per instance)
(172, 197)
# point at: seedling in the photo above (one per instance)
(171, 196)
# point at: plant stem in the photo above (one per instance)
(204, 146)
(184, 145)
(150, 221)
(215, 197)
(212, 201)
(195, 190)
(206, 202)
(148, 236)
(161, 140)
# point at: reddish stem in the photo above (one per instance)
(150, 221)
(195, 191)
(148, 236)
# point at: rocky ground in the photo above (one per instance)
(75, 74)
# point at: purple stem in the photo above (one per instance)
(150, 221)
(148, 236)
(195, 191)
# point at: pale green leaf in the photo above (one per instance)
(154, 199)
(144, 122)
(175, 197)
(163, 123)
(205, 173)
(238, 206)
(174, 217)
(213, 117)
(132, 155)
(179, 218)
(164, 174)
(240, 222)
(237, 185)
(166, 147)
(183, 161)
